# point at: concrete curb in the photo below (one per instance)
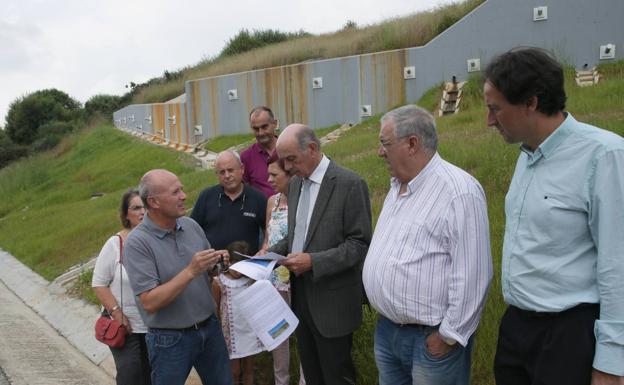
(73, 318)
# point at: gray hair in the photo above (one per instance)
(305, 136)
(233, 153)
(413, 120)
(146, 188)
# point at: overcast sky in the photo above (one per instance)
(88, 47)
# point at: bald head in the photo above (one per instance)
(300, 149)
(153, 182)
(230, 170)
(163, 196)
(228, 156)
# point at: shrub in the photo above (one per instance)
(28, 113)
(50, 134)
(102, 104)
(10, 151)
(245, 41)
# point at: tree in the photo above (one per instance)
(28, 113)
(245, 41)
(102, 104)
(9, 151)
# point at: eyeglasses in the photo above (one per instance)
(387, 143)
(242, 205)
(136, 208)
(221, 172)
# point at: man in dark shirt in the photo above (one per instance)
(231, 211)
(254, 158)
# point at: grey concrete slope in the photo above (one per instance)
(34, 353)
(72, 318)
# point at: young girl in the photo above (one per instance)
(241, 340)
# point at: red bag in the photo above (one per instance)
(110, 332)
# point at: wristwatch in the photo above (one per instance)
(448, 341)
(116, 307)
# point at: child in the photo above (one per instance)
(241, 340)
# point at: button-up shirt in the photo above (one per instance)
(564, 240)
(316, 178)
(429, 262)
(256, 173)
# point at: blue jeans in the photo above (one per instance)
(402, 357)
(173, 353)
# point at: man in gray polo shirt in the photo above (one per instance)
(168, 260)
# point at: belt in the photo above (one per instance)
(196, 326)
(544, 314)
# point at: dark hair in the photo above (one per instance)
(275, 158)
(125, 205)
(258, 109)
(238, 246)
(521, 73)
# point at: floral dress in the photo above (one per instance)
(278, 229)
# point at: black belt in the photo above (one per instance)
(196, 326)
(545, 314)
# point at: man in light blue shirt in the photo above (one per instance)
(563, 252)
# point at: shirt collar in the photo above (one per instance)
(260, 149)
(422, 175)
(159, 231)
(550, 144)
(319, 172)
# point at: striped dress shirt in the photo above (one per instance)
(429, 262)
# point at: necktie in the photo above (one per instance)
(301, 222)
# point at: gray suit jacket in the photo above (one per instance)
(337, 240)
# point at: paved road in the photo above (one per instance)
(3, 379)
(33, 353)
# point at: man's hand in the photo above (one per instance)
(602, 378)
(436, 345)
(205, 260)
(298, 263)
(121, 318)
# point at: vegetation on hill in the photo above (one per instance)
(50, 222)
(401, 32)
(38, 121)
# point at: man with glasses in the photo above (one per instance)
(231, 211)
(429, 266)
(254, 158)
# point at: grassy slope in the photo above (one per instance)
(48, 221)
(47, 216)
(401, 32)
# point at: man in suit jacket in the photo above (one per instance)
(329, 230)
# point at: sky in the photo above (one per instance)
(90, 47)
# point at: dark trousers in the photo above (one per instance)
(132, 361)
(546, 349)
(325, 361)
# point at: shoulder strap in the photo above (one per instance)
(121, 274)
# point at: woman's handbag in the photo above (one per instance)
(108, 330)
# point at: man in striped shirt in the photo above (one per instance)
(429, 266)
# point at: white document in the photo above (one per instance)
(271, 256)
(256, 269)
(268, 314)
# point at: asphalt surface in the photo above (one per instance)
(33, 353)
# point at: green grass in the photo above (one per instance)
(48, 220)
(400, 32)
(221, 143)
(47, 216)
